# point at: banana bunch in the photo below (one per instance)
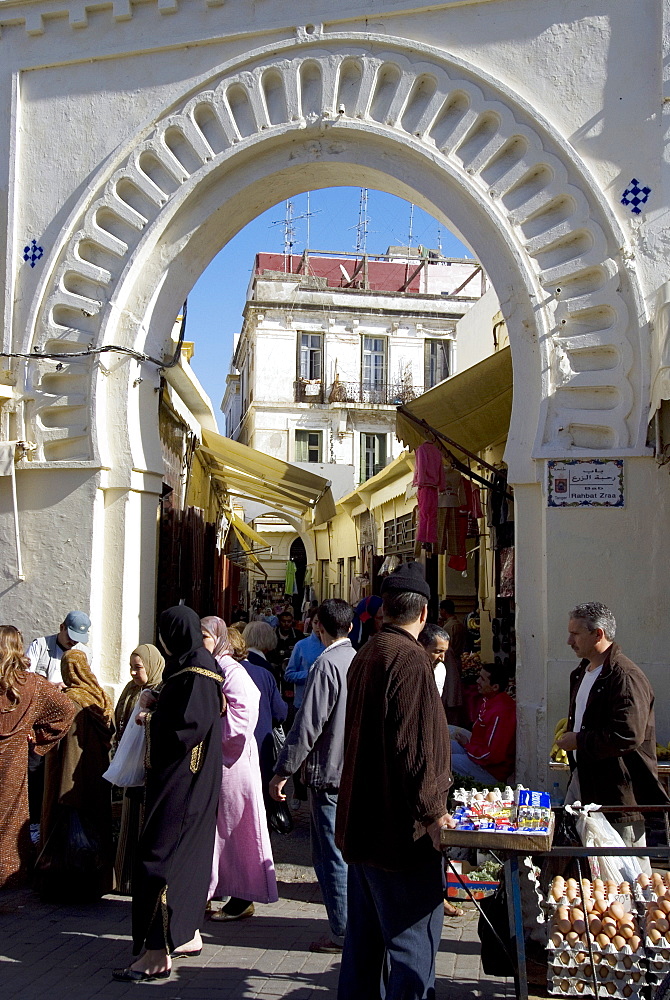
(558, 755)
(662, 753)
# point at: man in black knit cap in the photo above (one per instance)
(392, 804)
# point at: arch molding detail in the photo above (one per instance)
(558, 227)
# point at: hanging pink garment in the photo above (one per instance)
(429, 478)
(243, 865)
(426, 530)
(429, 470)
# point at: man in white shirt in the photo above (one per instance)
(46, 652)
(611, 735)
(45, 655)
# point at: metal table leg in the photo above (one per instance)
(513, 887)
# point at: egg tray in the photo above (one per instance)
(586, 988)
(582, 970)
(624, 898)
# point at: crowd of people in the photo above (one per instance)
(375, 734)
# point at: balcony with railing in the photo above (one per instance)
(376, 393)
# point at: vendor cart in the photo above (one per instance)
(540, 846)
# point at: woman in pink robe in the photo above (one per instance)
(243, 867)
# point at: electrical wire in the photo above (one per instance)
(138, 355)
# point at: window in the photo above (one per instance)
(373, 455)
(437, 366)
(399, 535)
(310, 356)
(374, 362)
(308, 446)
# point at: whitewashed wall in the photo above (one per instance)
(556, 108)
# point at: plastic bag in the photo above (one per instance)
(596, 831)
(278, 813)
(127, 767)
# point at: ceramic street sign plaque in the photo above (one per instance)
(589, 482)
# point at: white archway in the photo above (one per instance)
(330, 110)
(320, 111)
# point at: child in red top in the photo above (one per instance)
(490, 751)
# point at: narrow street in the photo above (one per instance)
(68, 952)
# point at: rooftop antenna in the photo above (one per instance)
(411, 227)
(363, 223)
(288, 224)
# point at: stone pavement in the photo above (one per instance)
(67, 952)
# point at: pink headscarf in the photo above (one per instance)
(216, 627)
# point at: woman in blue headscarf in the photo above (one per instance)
(367, 620)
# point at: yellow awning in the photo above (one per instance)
(472, 408)
(248, 550)
(246, 529)
(250, 474)
(384, 486)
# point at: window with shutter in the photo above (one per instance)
(374, 362)
(436, 362)
(310, 361)
(308, 446)
(373, 455)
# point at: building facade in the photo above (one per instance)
(139, 137)
(330, 346)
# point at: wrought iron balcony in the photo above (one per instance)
(379, 393)
(309, 391)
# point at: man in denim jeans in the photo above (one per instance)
(392, 804)
(316, 744)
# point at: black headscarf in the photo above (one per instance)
(181, 632)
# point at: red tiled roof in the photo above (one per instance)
(383, 276)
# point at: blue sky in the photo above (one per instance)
(217, 299)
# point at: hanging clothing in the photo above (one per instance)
(39, 720)
(75, 793)
(426, 529)
(182, 790)
(429, 468)
(429, 477)
(242, 865)
(453, 491)
(289, 579)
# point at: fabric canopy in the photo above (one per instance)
(472, 408)
(250, 474)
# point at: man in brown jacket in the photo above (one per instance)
(392, 804)
(611, 733)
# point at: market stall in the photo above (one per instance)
(608, 935)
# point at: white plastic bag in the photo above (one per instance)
(596, 831)
(127, 767)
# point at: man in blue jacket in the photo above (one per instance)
(303, 656)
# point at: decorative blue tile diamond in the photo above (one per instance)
(32, 253)
(635, 195)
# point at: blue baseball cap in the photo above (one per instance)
(77, 624)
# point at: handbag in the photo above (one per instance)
(127, 767)
(278, 813)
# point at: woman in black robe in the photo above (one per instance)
(176, 845)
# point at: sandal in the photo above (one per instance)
(452, 911)
(223, 915)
